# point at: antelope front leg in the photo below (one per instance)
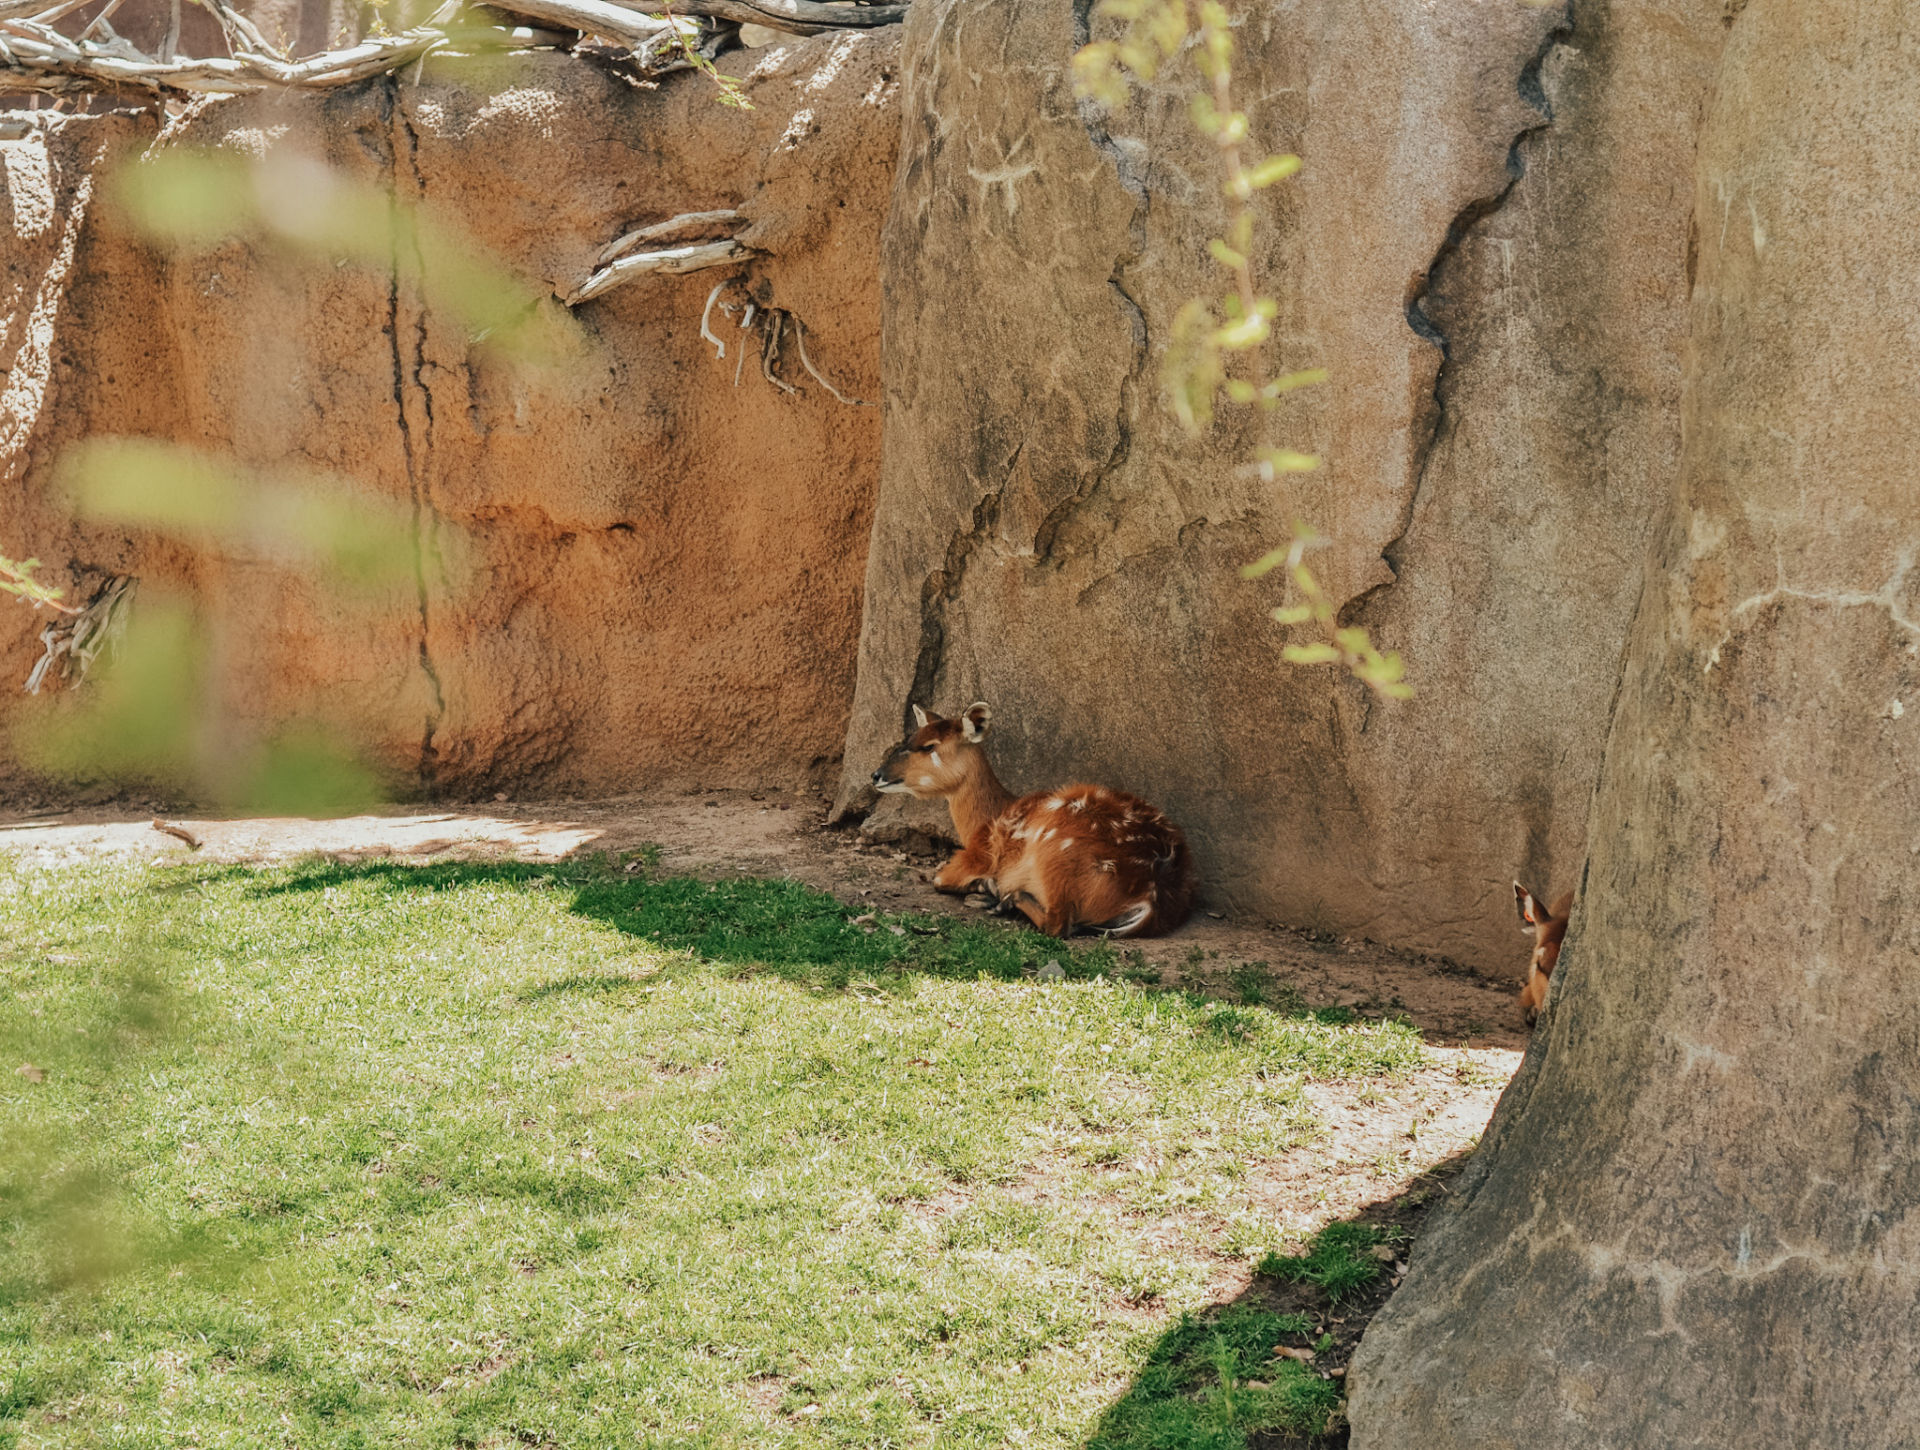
(966, 870)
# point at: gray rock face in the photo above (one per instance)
(1694, 1219)
(1487, 249)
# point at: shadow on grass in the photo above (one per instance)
(1266, 1370)
(779, 927)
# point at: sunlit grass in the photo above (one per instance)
(383, 1155)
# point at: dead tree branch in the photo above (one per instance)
(671, 260)
(36, 57)
(801, 17)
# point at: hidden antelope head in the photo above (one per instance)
(1548, 926)
(939, 755)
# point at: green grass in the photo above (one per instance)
(465, 1155)
(1341, 1259)
(1213, 1381)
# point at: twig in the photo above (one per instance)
(99, 22)
(673, 261)
(687, 227)
(800, 339)
(179, 833)
(57, 12)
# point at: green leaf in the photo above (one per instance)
(1294, 613)
(1239, 336)
(1225, 255)
(1273, 169)
(1310, 654)
(1289, 460)
(1266, 563)
(1241, 391)
(1303, 378)
(1354, 640)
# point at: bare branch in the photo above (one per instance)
(179, 833)
(686, 227)
(800, 17)
(597, 17)
(673, 261)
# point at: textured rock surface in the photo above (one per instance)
(1694, 1221)
(629, 571)
(1049, 540)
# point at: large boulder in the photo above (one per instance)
(1487, 249)
(628, 570)
(1694, 1221)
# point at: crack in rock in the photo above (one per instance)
(1392, 553)
(423, 518)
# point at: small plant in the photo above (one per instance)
(16, 578)
(1341, 1259)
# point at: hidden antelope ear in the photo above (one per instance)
(919, 718)
(974, 721)
(1530, 914)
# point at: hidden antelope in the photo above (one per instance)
(1549, 928)
(1080, 858)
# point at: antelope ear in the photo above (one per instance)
(919, 718)
(974, 721)
(1530, 913)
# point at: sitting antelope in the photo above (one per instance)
(1081, 856)
(1549, 928)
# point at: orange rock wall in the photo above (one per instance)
(628, 571)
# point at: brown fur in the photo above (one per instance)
(1080, 857)
(1549, 928)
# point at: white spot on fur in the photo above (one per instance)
(1066, 843)
(1052, 803)
(1048, 835)
(936, 760)
(1078, 803)
(926, 780)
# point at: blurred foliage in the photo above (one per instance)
(293, 517)
(188, 200)
(16, 578)
(1218, 346)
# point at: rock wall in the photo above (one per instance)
(627, 569)
(1487, 249)
(1693, 1220)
